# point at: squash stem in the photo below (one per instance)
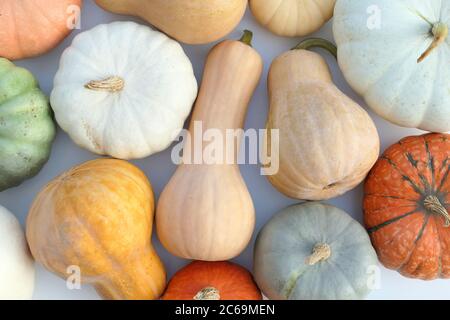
(320, 252)
(434, 205)
(440, 34)
(317, 43)
(111, 84)
(247, 37)
(208, 293)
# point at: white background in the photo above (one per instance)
(159, 167)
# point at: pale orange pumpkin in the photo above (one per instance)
(30, 28)
(98, 217)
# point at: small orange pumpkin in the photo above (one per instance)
(407, 205)
(29, 28)
(202, 280)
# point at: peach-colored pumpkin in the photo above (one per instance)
(30, 28)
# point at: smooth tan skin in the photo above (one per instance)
(99, 217)
(206, 212)
(292, 18)
(328, 143)
(191, 22)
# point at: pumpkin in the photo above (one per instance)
(16, 263)
(327, 142)
(123, 90)
(26, 125)
(407, 205)
(30, 28)
(313, 251)
(191, 22)
(292, 18)
(395, 54)
(98, 216)
(223, 280)
(205, 212)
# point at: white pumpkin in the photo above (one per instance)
(123, 90)
(396, 54)
(292, 18)
(16, 263)
(314, 251)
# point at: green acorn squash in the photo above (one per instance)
(27, 129)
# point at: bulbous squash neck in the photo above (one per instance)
(232, 72)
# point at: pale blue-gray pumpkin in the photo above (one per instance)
(27, 129)
(314, 251)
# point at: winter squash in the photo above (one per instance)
(316, 161)
(98, 216)
(407, 205)
(221, 280)
(292, 18)
(16, 263)
(206, 196)
(30, 28)
(26, 125)
(395, 54)
(314, 251)
(191, 22)
(123, 90)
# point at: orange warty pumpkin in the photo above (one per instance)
(202, 280)
(32, 27)
(407, 205)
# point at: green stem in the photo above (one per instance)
(317, 43)
(247, 37)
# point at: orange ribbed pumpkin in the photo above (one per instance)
(32, 27)
(202, 280)
(407, 205)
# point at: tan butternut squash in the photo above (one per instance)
(327, 142)
(191, 22)
(206, 212)
(98, 217)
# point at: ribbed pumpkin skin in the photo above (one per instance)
(327, 143)
(408, 237)
(26, 125)
(29, 28)
(285, 244)
(191, 22)
(232, 281)
(292, 18)
(206, 212)
(99, 216)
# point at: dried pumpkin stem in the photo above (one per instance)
(247, 37)
(111, 84)
(208, 293)
(433, 205)
(440, 33)
(320, 252)
(317, 43)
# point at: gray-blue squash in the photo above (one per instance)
(314, 251)
(27, 129)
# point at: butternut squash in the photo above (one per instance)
(327, 142)
(206, 212)
(191, 22)
(98, 217)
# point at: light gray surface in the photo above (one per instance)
(159, 168)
